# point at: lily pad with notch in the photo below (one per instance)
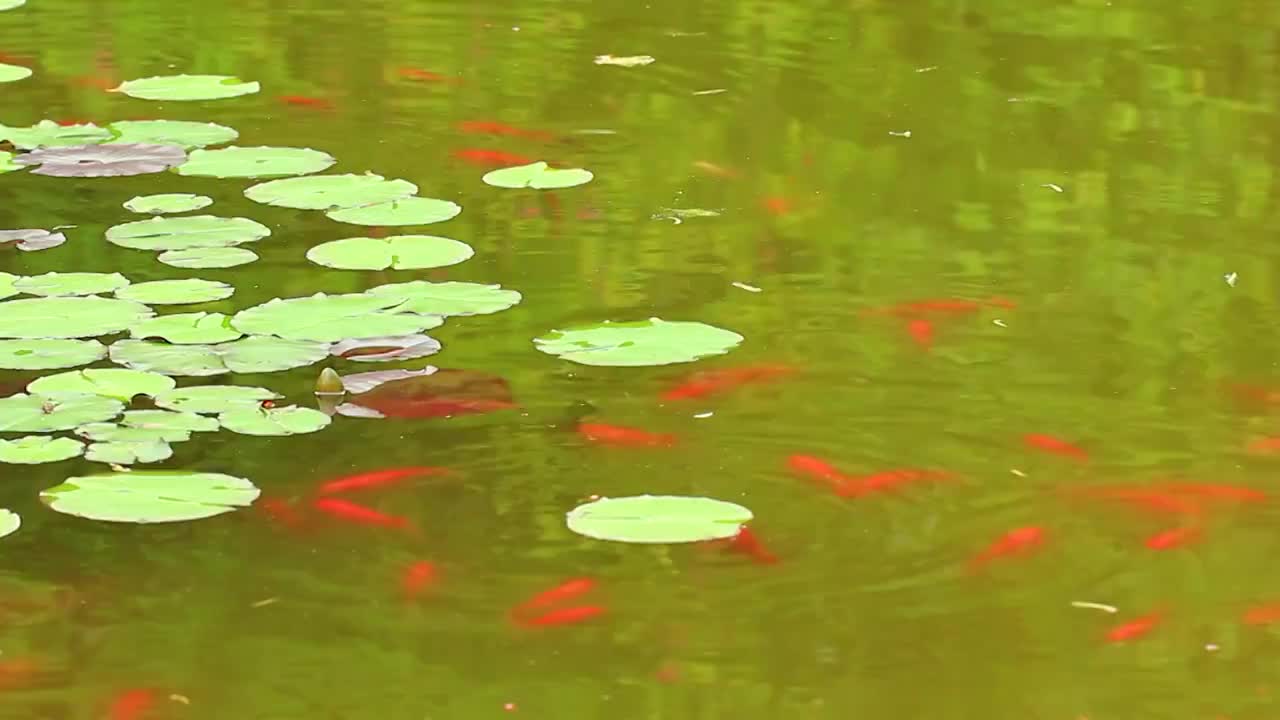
(330, 318)
(48, 133)
(103, 160)
(39, 449)
(249, 355)
(327, 192)
(208, 258)
(150, 496)
(187, 87)
(66, 411)
(31, 240)
(113, 383)
(538, 176)
(214, 399)
(634, 344)
(56, 284)
(186, 232)
(658, 519)
(188, 329)
(255, 162)
(176, 292)
(167, 203)
(169, 420)
(396, 252)
(449, 298)
(406, 211)
(68, 317)
(111, 432)
(386, 349)
(185, 134)
(279, 421)
(39, 354)
(128, 453)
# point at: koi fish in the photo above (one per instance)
(710, 382)
(1134, 629)
(921, 331)
(564, 591)
(1264, 446)
(747, 543)
(819, 469)
(1018, 541)
(624, 436)
(1173, 538)
(1262, 614)
(1055, 446)
(314, 103)
(888, 481)
(417, 578)
(133, 704)
(566, 616)
(419, 75)
(359, 514)
(777, 205)
(491, 158)
(1150, 499)
(376, 479)
(488, 127)
(1223, 493)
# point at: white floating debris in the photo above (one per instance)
(999, 323)
(716, 91)
(265, 602)
(1212, 647)
(931, 68)
(1231, 278)
(1017, 472)
(904, 133)
(1051, 186)
(624, 61)
(678, 215)
(704, 415)
(594, 131)
(744, 286)
(1094, 606)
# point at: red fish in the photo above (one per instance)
(943, 306)
(1265, 446)
(564, 591)
(1262, 614)
(359, 514)
(624, 436)
(419, 75)
(1174, 538)
(1222, 493)
(1056, 446)
(417, 578)
(1149, 498)
(531, 612)
(819, 469)
(710, 382)
(73, 123)
(377, 479)
(1018, 541)
(747, 543)
(1134, 629)
(566, 616)
(488, 127)
(19, 672)
(491, 158)
(921, 332)
(888, 481)
(133, 704)
(777, 205)
(314, 103)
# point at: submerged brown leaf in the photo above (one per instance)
(103, 160)
(444, 393)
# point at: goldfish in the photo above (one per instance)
(1134, 629)
(1017, 541)
(359, 514)
(564, 591)
(20, 672)
(314, 103)
(488, 127)
(776, 205)
(491, 158)
(819, 469)
(1056, 446)
(624, 436)
(921, 331)
(376, 479)
(417, 578)
(1210, 492)
(1264, 445)
(1262, 614)
(133, 704)
(747, 543)
(1173, 538)
(711, 382)
(416, 74)
(887, 481)
(942, 306)
(566, 616)
(1151, 499)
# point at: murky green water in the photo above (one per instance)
(1102, 165)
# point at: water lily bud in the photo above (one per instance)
(329, 383)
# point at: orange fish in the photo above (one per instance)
(820, 469)
(921, 331)
(418, 75)
(1134, 629)
(943, 306)
(1018, 541)
(1151, 499)
(710, 382)
(377, 479)
(1266, 445)
(624, 436)
(1056, 446)
(491, 158)
(1262, 614)
(417, 578)
(564, 591)
(776, 205)
(1174, 538)
(133, 704)
(566, 616)
(888, 481)
(359, 514)
(531, 612)
(314, 103)
(1210, 492)
(488, 127)
(748, 544)
(19, 672)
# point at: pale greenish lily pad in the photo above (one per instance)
(213, 399)
(8, 165)
(185, 134)
(448, 298)
(183, 233)
(630, 344)
(397, 252)
(257, 354)
(187, 87)
(36, 413)
(263, 354)
(259, 162)
(205, 258)
(38, 449)
(538, 176)
(106, 382)
(330, 318)
(49, 354)
(6, 285)
(167, 203)
(13, 73)
(68, 317)
(166, 359)
(326, 192)
(48, 133)
(56, 284)
(188, 329)
(9, 520)
(150, 496)
(112, 433)
(408, 211)
(658, 519)
(274, 421)
(128, 453)
(177, 292)
(9, 5)
(169, 420)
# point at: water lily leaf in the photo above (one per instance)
(63, 284)
(184, 134)
(630, 344)
(49, 354)
(48, 133)
(448, 298)
(274, 421)
(128, 453)
(103, 160)
(150, 496)
(9, 5)
(107, 382)
(169, 420)
(658, 519)
(165, 359)
(442, 393)
(36, 413)
(213, 399)
(68, 317)
(167, 203)
(37, 449)
(538, 176)
(202, 258)
(176, 292)
(7, 164)
(187, 87)
(326, 192)
(188, 329)
(261, 354)
(397, 252)
(407, 211)
(9, 520)
(31, 240)
(112, 433)
(258, 162)
(13, 73)
(183, 233)
(6, 285)
(329, 318)
(357, 383)
(384, 349)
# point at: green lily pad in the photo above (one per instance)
(38, 449)
(11, 4)
(187, 87)
(330, 318)
(259, 162)
(177, 292)
(250, 355)
(76, 283)
(326, 192)
(448, 298)
(169, 420)
(397, 252)
(150, 496)
(166, 359)
(68, 317)
(167, 203)
(13, 73)
(213, 399)
(183, 233)
(274, 421)
(187, 329)
(9, 520)
(188, 135)
(49, 354)
(263, 354)
(36, 413)
(538, 176)
(8, 165)
(128, 453)
(648, 342)
(202, 258)
(48, 133)
(111, 433)
(407, 211)
(107, 382)
(6, 285)
(658, 519)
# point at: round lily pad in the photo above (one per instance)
(166, 359)
(184, 134)
(11, 4)
(128, 453)
(448, 298)
(167, 203)
(176, 292)
(9, 520)
(49, 354)
(658, 519)
(103, 160)
(31, 239)
(212, 399)
(648, 342)
(38, 449)
(48, 133)
(187, 329)
(150, 496)
(274, 421)
(202, 258)
(262, 354)
(407, 211)
(538, 176)
(397, 252)
(13, 73)
(250, 355)
(168, 420)
(329, 318)
(106, 382)
(187, 87)
(259, 162)
(111, 432)
(76, 283)
(182, 233)
(325, 192)
(68, 317)
(35, 413)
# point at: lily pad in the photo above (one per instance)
(187, 87)
(49, 354)
(31, 240)
(150, 496)
(407, 211)
(258, 162)
(631, 344)
(166, 359)
(48, 133)
(261, 354)
(38, 449)
(448, 298)
(167, 203)
(107, 382)
(203, 258)
(184, 134)
(274, 421)
(9, 5)
(397, 252)
(128, 453)
(6, 285)
(35, 413)
(177, 292)
(111, 433)
(169, 420)
(433, 394)
(357, 383)
(188, 329)
(330, 318)
(63, 284)
(326, 192)
(68, 317)
(13, 73)
(538, 176)
(103, 160)
(7, 164)
(212, 399)
(384, 349)
(658, 519)
(9, 520)
(183, 233)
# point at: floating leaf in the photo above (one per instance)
(188, 328)
(203, 258)
(68, 317)
(648, 342)
(107, 382)
(35, 413)
(442, 393)
(62, 284)
(37, 449)
(32, 240)
(658, 519)
(187, 87)
(48, 133)
(9, 520)
(169, 420)
(274, 421)
(6, 285)
(408, 211)
(103, 160)
(213, 399)
(7, 164)
(150, 496)
(261, 354)
(364, 382)
(538, 176)
(167, 203)
(128, 453)
(110, 432)
(329, 318)
(13, 73)
(177, 292)
(259, 162)
(448, 298)
(624, 60)
(9, 5)
(187, 135)
(383, 349)
(397, 252)
(326, 192)
(183, 233)
(49, 354)
(165, 359)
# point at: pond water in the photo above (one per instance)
(1001, 405)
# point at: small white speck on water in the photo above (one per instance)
(1094, 606)
(1231, 278)
(715, 91)
(744, 286)
(1017, 472)
(1212, 647)
(999, 322)
(704, 415)
(927, 69)
(1053, 187)
(903, 134)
